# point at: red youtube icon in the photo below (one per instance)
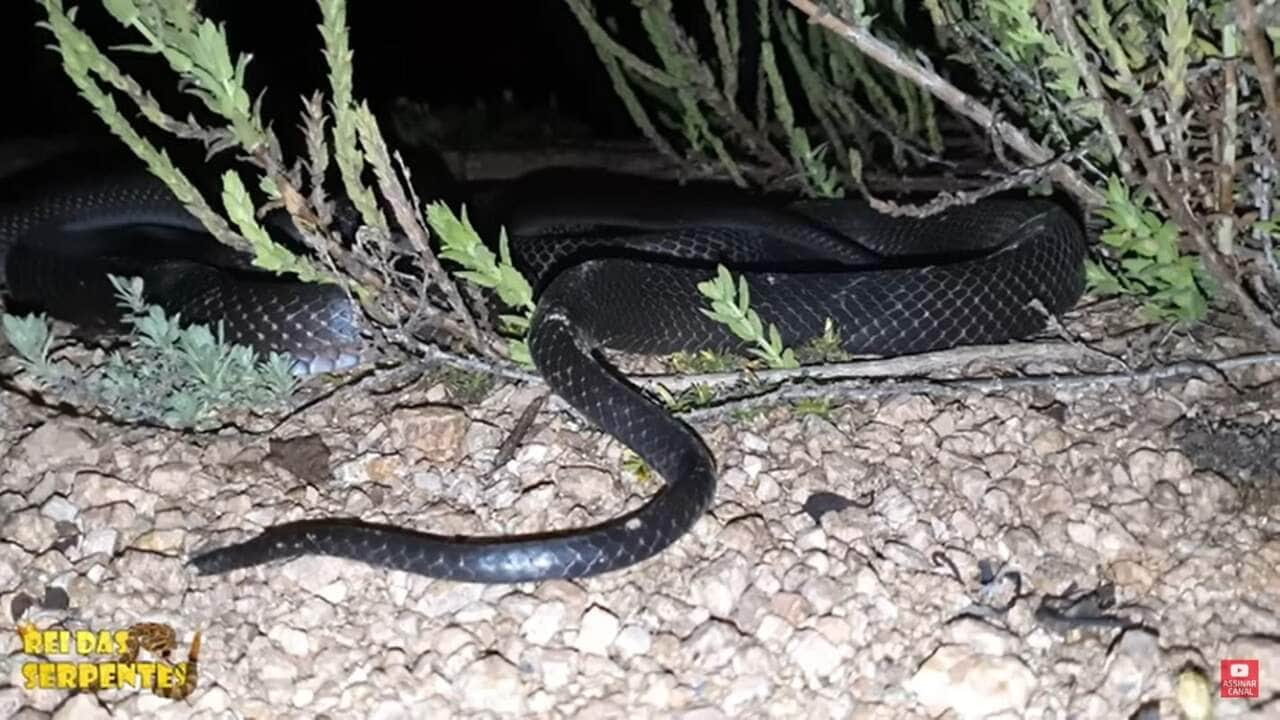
(1238, 678)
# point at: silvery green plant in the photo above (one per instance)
(182, 376)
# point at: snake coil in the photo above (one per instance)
(618, 271)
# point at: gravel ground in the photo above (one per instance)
(1040, 553)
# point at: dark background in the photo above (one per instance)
(440, 52)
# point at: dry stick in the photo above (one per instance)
(904, 366)
(1260, 49)
(1085, 381)
(1227, 161)
(953, 97)
(948, 198)
(514, 439)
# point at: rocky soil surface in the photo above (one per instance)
(1086, 553)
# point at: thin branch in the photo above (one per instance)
(905, 366)
(1080, 382)
(953, 97)
(1260, 49)
(947, 198)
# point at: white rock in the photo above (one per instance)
(273, 664)
(30, 530)
(712, 645)
(752, 465)
(1050, 441)
(718, 586)
(81, 707)
(773, 629)
(596, 631)
(55, 443)
(162, 541)
(768, 489)
(822, 593)
(813, 653)
(1134, 662)
(558, 668)
(904, 409)
(59, 508)
(973, 685)
(214, 699)
(633, 640)
(92, 489)
(491, 683)
(982, 637)
(546, 620)
(390, 710)
(292, 640)
(335, 592)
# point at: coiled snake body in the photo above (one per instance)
(618, 272)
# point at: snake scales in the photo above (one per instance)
(612, 269)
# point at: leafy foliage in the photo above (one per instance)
(462, 244)
(1150, 266)
(731, 306)
(172, 374)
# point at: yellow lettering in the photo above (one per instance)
(146, 673)
(108, 674)
(66, 676)
(48, 675)
(46, 642)
(30, 673)
(126, 675)
(86, 642)
(122, 641)
(86, 675)
(30, 639)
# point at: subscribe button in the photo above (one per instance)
(1239, 679)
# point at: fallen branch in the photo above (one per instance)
(905, 366)
(847, 392)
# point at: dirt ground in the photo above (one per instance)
(1045, 551)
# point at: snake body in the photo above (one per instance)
(616, 272)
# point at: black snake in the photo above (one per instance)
(613, 269)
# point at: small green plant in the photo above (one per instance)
(462, 244)
(748, 414)
(1145, 247)
(824, 348)
(180, 376)
(694, 396)
(731, 306)
(32, 339)
(817, 407)
(632, 463)
(466, 386)
(703, 361)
